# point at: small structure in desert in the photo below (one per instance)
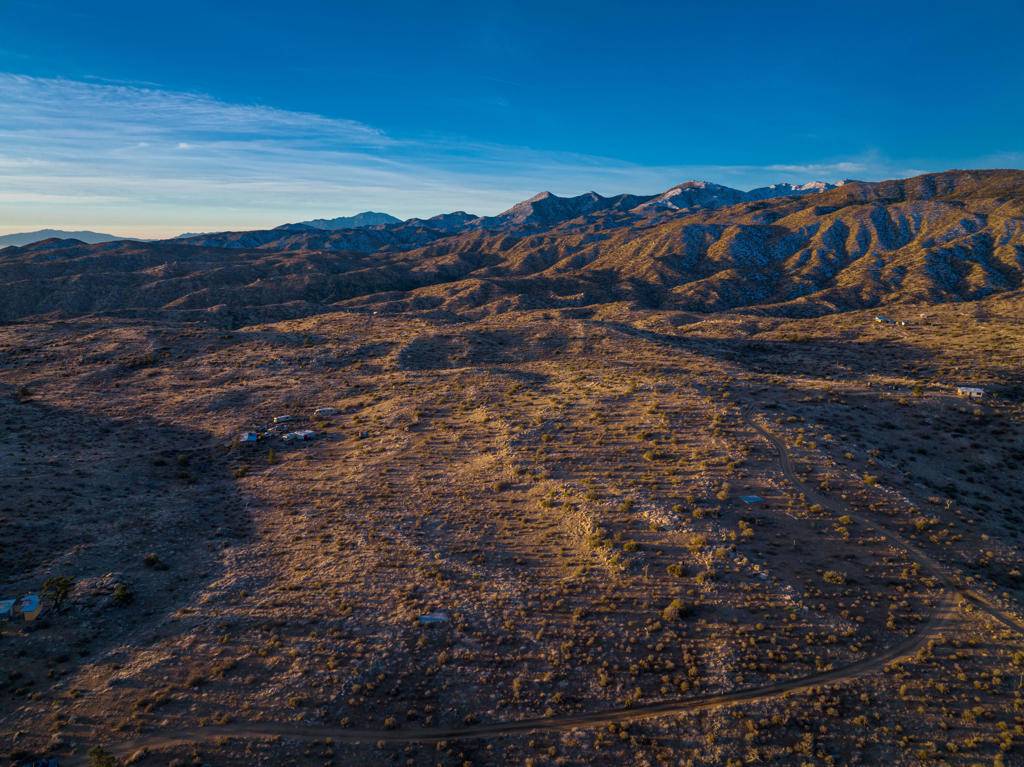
(283, 418)
(881, 318)
(302, 435)
(27, 607)
(971, 392)
(325, 412)
(435, 617)
(249, 437)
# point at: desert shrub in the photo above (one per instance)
(100, 757)
(675, 610)
(675, 570)
(56, 590)
(153, 561)
(705, 576)
(922, 523)
(123, 595)
(695, 542)
(834, 577)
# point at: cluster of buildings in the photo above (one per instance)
(283, 426)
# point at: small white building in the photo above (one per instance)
(971, 392)
(302, 435)
(325, 412)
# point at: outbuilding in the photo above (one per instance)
(249, 437)
(302, 435)
(30, 606)
(325, 412)
(971, 392)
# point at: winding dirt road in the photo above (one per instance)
(934, 568)
(257, 730)
(169, 738)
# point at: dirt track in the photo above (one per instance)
(256, 730)
(935, 568)
(170, 738)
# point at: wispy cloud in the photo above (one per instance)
(141, 160)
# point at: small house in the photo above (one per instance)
(302, 435)
(971, 392)
(325, 412)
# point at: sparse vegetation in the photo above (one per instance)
(518, 512)
(56, 590)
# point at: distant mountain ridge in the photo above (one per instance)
(945, 237)
(539, 212)
(27, 238)
(358, 221)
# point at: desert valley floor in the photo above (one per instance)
(607, 536)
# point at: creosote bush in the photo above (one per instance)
(675, 610)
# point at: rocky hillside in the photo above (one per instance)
(954, 236)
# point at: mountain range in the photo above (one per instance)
(538, 212)
(27, 238)
(792, 251)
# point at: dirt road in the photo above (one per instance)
(927, 562)
(169, 738)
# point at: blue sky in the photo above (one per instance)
(153, 118)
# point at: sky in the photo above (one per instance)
(149, 119)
